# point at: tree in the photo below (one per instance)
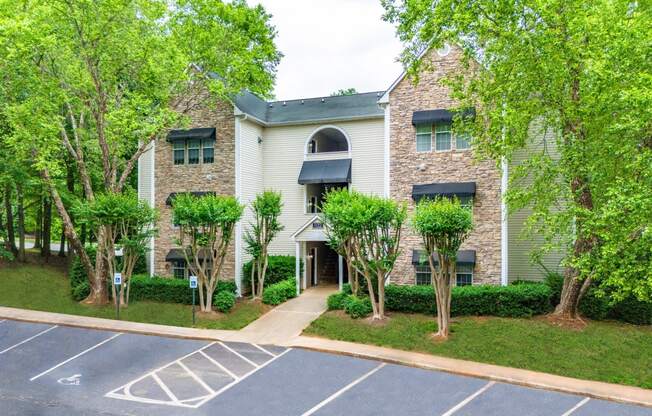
(266, 226)
(344, 91)
(567, 77)
(206, 229)
(374, 226)
(128, 224)
(340, 236)
(443, 224)
(103, 80)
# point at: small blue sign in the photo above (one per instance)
(117, 279)
(193, 282)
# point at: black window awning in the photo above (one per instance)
(431, 190)
(325, 171)
(176, 254)
(438, 116)
(466, 257)
(207, 133)
(170, 198)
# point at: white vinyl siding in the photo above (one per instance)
(284, 148)
(424, 138)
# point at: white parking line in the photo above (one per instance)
(577, 406)
(220, 366)
(28, 339)
(468, 399)
(76, 356)
(165, 388)
(196, 378)
(239, 355)
(2, 320)
(343, 390)
(263, 350)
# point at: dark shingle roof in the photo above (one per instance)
(364, 105)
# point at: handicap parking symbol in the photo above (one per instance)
(70, 381)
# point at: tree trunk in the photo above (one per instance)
(574, 287)
(62, 242)
(98, 277)
(11, 235)
(39, 223)
(21, 222)
(47, 228)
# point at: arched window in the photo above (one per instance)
(328, 139)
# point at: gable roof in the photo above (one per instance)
(308, 110)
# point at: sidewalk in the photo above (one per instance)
(283, 326)
(289, 319)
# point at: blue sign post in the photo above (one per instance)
(193, 286)
(117, 282)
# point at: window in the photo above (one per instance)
(208, 151)
(312, 205)
(423, 274)
(466, 201)
(424, 138)
(464, 274)
(442, 137)
(179, 151)
(193, 152)
(179, 269)
(462, 141)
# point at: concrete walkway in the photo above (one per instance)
(289, 319)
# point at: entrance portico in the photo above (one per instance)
(322, 265)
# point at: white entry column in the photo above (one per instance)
(297, 267)
(340, 270)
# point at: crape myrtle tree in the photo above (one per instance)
(340, 236)
(574, 78)
(265, 227)
(443, 224)
(104, 79)
(374, 225)
(128, 224)
(205, 233)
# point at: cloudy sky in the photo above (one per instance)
(332, 44)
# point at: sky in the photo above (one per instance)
(332, 44)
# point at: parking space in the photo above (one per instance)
(56, 370)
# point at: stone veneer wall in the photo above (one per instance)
(449, 166)
(218, 177)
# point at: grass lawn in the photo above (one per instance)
(46, 288)
(604, 351)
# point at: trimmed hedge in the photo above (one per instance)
(630, 309)
(280, 292)
(169, 290)
(278, 270)
(336, 300)
(506, 301)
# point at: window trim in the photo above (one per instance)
(427, 267)
(176, 149)
(468, 141)
(207, 144)
(416, 138)
(450, 137)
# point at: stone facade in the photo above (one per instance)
(409, 167)
(218, 177)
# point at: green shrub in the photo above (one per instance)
(555, 281)
(169, 290)
(280, 292)
(357, 307)
(593, 306)
(278, 269)
(224, 301)
(81, 291)
(336, 300)
(507, 301)
(633, 311)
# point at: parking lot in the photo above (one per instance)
(57, 370)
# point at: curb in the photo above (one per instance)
(527, 378)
